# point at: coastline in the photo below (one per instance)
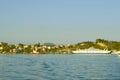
(51, 48)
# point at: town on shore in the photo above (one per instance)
(51, 48)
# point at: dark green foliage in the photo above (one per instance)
(84, 45)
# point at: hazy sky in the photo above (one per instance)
(59, 21)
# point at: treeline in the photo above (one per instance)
(100, 44)
(52, 48)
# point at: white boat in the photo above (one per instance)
(91, 50)
(34, 52)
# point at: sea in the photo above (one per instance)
(59, 67)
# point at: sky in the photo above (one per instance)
(59, 21)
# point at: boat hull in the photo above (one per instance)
(78, 52)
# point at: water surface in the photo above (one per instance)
(58, 67)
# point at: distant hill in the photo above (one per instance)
(49, 44)
(99, 44)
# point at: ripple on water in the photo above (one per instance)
(58, 67)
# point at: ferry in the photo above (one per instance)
(91, 50)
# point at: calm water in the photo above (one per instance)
(59, 67)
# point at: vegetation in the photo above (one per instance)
(52, 48)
